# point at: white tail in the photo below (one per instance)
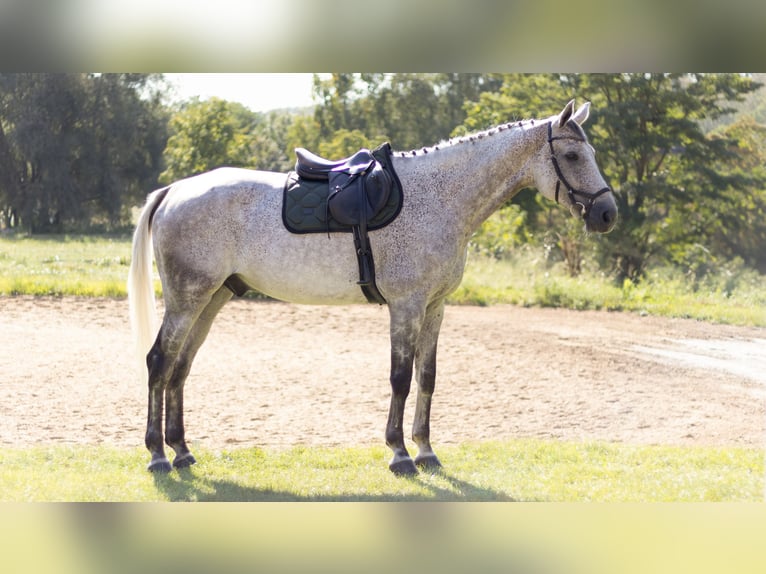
(143, 312)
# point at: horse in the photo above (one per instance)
(225, 225)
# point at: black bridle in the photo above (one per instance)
(588, 197)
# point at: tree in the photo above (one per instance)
(269, 147)
(731, 224)
(671, 179)
(658, 158)
(119, 171)
(302, 132)
(205, 135)
(75, 146)
(214, 133)
(10, 175)
(408, 110)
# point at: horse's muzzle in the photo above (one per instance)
(602, 215)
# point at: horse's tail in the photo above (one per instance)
(143, 313)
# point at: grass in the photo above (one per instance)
(80, 265)
(516, 470)
(97, 266)
(525, 280)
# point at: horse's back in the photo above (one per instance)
(229, 221)
(221, 186)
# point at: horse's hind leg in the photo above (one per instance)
(169, 361)
(425, 374)
(174, 415)
(160, 362)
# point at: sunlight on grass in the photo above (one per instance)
(517, 470)
(97, 266)
(76, 265)
(527, 280)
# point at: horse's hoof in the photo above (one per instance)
(428, 462)
(184, 461)
(404, 467)
(159, 466)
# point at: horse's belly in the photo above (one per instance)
(311, 269)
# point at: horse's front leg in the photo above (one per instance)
(425, 363)
(405, 327)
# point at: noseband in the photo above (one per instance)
(588, 198)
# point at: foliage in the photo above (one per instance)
(205, 135)
(664, 168)
(213, 133)
(77, 150)
(735, 221)
(681, 191)
(531, 277)
(513, 470)
(503, 232)
(684, 152)
(408, 110)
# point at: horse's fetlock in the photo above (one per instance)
(394, 439)
(152, 440)
(174, 437)
(421, 436)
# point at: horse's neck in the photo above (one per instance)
(468, 179)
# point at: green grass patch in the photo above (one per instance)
(529, 281)
(97, 266)
(79, 265)
(518, 470)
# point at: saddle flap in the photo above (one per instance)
(360, 196)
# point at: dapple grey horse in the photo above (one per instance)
(227, 223)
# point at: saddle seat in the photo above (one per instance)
(359, 184)
(312, 166)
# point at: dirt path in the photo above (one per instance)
(275, 375)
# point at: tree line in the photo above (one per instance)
(77, 150)
(684, 152)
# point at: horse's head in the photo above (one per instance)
(568, 174)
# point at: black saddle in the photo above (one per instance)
(359, 184)
(311, 166)
(358, 189)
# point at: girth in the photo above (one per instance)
(356, 194)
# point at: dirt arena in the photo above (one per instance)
(276, 375)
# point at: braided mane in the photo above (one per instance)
(469, 138)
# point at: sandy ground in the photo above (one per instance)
(276, 375)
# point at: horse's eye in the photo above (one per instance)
(571, 156)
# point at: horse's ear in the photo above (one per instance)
(566, 113)
(582, 113)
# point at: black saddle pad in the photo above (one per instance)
(304, 204)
